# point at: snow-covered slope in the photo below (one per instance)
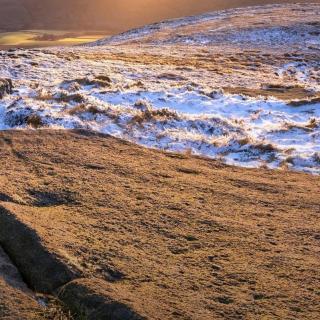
(294, 25)
(241, 85)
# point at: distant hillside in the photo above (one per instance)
(256, 26)
(105, 14)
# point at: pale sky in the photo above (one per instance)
(116, 15)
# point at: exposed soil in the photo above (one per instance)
(171, 236)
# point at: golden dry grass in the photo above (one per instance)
(176, 236)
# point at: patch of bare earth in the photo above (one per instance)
(148, 234)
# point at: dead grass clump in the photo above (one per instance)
(6, 87)
(103, 78)
(83, 108)
(244, 141)
(44, 95)
(314, 24)
(148, 113)
(266, 147)
(316, 157)
(162, 114)
(171, 76)
(289, 160)
(137, 84)
(154, 115)
(73, 87)
(216, 94)
(80, 108)
(75, 97)
(54, 310)
(34, 121)
(61, 97)
(294, 95)
(100, 80)
(94, 110)
(143, 105)
(138, 119)
(303, 102)
(81, 81)
(165, 113)
(14, 104)
(310, 126)
(279, 87)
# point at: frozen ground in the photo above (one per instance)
(241, 85)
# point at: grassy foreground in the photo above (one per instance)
(169, 236)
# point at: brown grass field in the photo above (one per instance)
(163, 235)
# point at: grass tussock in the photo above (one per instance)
(171, 76)
(75, 97)
(59, 97)
(263, 147)
(98, 81)
(244, 141)
(303, 102)
(94, 110)
(83, 108)
(43, 95)
(55, 310)
(266, 147)
(34, 121)
(149, 115)
(310, 126)
(294, 95)
(316, 158)
(6, 87)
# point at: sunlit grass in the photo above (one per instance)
(32, 38)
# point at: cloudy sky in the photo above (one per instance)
(117, 15)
